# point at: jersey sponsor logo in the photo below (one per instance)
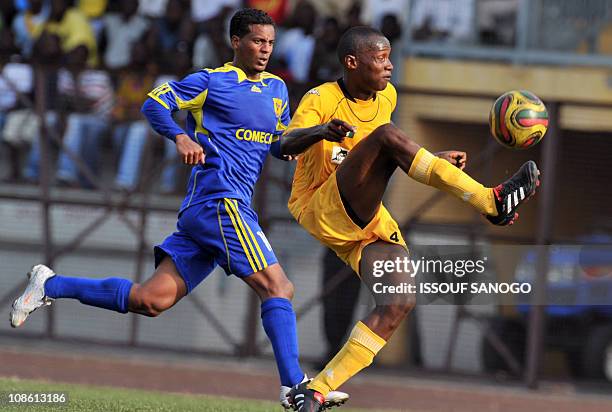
(338, 154)
(314, 91)
(257, 136)
(255, 89)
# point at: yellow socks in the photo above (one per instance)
(433, 171)
(358, 352)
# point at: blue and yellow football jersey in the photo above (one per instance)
(236, 120)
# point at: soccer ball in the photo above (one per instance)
(518, 119)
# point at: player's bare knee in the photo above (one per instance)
(385, 130)
(154, 307)
(150, 311)
(395, 140)
(149, 304)
(281, 289)
(391, 136)
(271, 283)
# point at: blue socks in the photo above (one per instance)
(111, 293)
(277, 315)
(279, 322)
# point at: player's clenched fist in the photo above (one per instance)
(336, 130)
(189, 151)
(454, 157)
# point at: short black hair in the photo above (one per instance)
(243, 18)
(354, 39)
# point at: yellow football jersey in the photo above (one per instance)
(320, 105)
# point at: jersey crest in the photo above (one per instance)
(338, 155)
(278, 107)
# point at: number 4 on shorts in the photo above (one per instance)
(394, 237)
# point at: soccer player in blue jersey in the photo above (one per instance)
(236, 115)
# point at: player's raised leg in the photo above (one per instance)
(160, 292)
(364, 175)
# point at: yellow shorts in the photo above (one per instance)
(325, 218)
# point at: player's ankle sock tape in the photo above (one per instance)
(358, 353)
(278, 319)
(433, 171)
(110, 293)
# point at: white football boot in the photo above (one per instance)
(33, 297)
(334, 398)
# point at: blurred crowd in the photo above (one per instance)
(101, 57)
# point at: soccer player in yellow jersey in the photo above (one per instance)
(349, 150)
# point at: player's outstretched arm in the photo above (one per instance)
(296, 141)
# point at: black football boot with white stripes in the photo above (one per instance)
(514, 192)
(303, 399)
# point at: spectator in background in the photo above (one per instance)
(15, 78)
(17, 124)
(131, 130)
(174, 31)
(211, 48)
(443, 20)
(152, 9)
(373, 11)
(325, 65)
(353, 16)
(46, 51)
(205, 51)
(19, 5)
(7, 13)
(296, 45)
(87, 96)
(391, 28)
(292, 58)
(94, 11)
(72, 27)
(337, 8)
(25, 22)
(277, 9)
(121, 31)
(8, 48)
(204, 10)
(388, 17)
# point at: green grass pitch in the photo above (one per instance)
(105, 399)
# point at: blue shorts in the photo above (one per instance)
(222, 232)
